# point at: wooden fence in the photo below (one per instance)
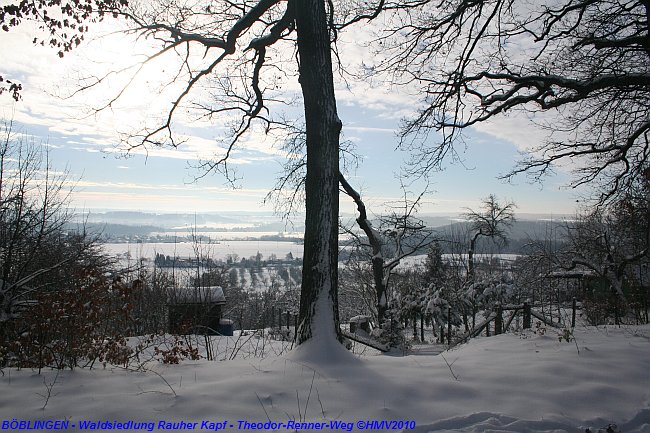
(496, 318)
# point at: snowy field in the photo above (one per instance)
(220, 250)
(507, 383)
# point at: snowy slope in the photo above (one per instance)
(508, 383)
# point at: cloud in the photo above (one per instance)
(367, 107)
(191, 188)
(517, 128)
(140, 200)
(47, 80)
(351, 127)
(165, 196)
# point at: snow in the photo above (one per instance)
(508, 383)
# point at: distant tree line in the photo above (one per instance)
(233, 260)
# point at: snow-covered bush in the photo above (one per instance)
(441, 311)
(486, 293)
(392, 334)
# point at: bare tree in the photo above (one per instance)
(536, 268)
(608, 244)
(232, 48)
(581, 64)
(229, 44)
(402, 235)
(52, 275)
(35, 245)
(491, 221)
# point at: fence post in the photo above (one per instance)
(449, 326)
(433, 330)
(414, 317)
(295, 327)
(422, 327)
(527, 315)
(498, 321)
(573, 315)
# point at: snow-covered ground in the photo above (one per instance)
(507, 383)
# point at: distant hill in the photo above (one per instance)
(110, 230)
(519, 235)
(120, 224)
(162, 220)
(124, 224)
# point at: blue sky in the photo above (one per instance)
(162, 180)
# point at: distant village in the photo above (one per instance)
(144, 238)
(232, 260)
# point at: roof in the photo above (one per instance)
(198, 295)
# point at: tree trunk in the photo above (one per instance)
(319, 291)
(470, 258)
(380, 288)
(378, 271)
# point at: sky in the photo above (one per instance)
(90, 144)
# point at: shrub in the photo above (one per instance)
(77, 325)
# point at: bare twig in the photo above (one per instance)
(449, 366)
(263, 408)
(49, 387)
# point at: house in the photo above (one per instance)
(196, 310)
